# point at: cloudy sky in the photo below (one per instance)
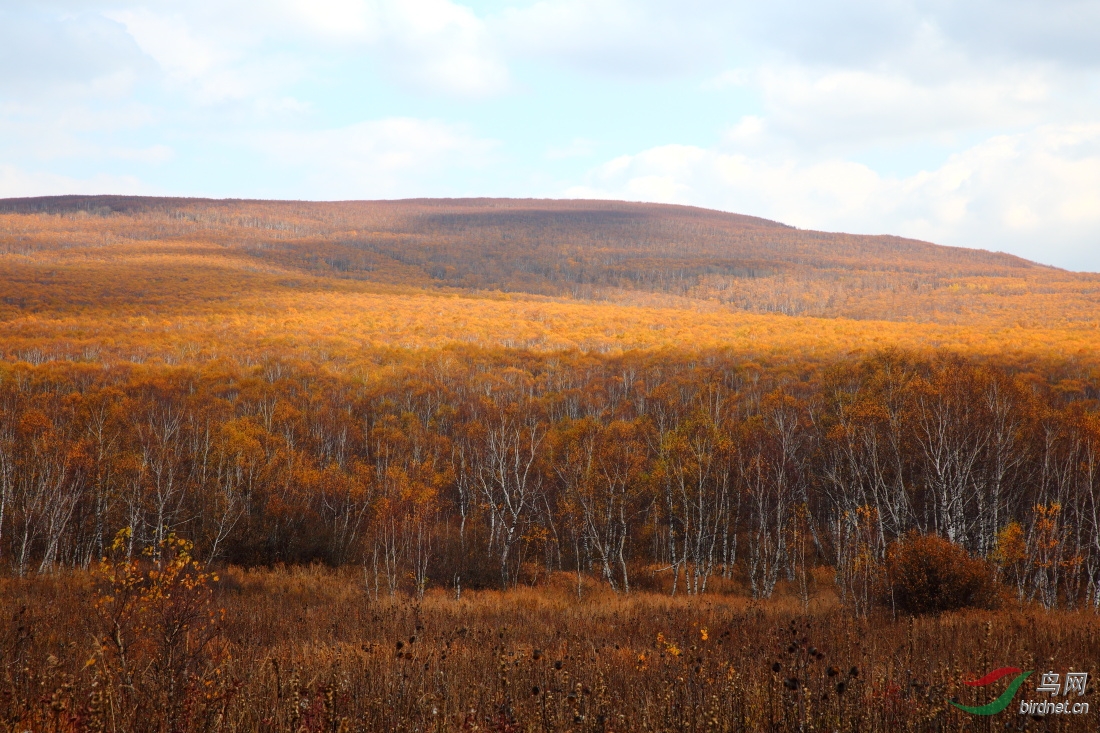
(965, 122)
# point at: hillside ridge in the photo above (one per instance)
(70, 252)
(477, 205)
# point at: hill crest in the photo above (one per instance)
(624, 253)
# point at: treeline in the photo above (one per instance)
(469, 468)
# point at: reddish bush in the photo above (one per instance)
(926, 573)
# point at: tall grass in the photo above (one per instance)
(307, 649)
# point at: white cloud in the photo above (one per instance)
(15, 182)
(217, 66)
(1061, 30)
(866, 33)
(1033, 194)
(43, 55)
(727, 79)
(441, 46)
(377, 159)
(435, 45)
(170, 42)
(340, 19)
(50, 130)
(656, 38)
(867, 106)
(621, 37)
(448, 46)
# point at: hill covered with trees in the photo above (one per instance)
(641, 254)
(485, 392)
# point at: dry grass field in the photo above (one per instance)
(309, 649)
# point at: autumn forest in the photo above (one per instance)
(600, 414)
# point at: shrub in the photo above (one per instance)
(157, 634)
(926, 573)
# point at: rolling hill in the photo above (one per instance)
(185, 279)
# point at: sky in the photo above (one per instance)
(973, 123)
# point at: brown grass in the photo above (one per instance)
(306, 649)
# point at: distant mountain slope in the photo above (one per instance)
(644, 254)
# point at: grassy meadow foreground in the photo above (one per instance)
(312, 650)
(534, 465)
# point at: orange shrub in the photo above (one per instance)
(926, 573)
(156, 638)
